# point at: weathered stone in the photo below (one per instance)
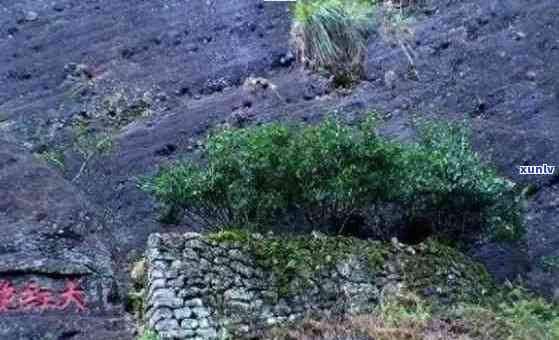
(191, 292)
(156, 274)
(203, 323)
(189, 323)
(176, 283)
(164, 293)
(194, 303)
(200, 312)
(229, 297)
(160, 314)
(177, 333)
(167, 325)
(156, 284)
(167, 302)
(238, 294)
(206, 333)
(182, 313)
(190, 236)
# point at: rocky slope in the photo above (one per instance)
(154, 77)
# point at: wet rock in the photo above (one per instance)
(31, 16)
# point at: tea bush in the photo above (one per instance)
(338, 179)
(448, 184)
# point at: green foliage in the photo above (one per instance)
(134, 303)
(54, 157)
(509, 315)
(512, 315)
(333, 176)
(89, 144)
(550, 263)
(404, 308)
(405, 316)
(149, 335)
(332, 35)
(445, 182)
(530, 318)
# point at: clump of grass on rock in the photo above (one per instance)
(331, 35)
(342, 180)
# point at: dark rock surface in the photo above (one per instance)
(156, 76)
(51, 237)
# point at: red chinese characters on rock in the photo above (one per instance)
(72, 294)
(34, 297)
(7, 296)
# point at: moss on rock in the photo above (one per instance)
(293, 257)
(444, 273)
(430, 269)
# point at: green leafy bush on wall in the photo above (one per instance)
(333, 177)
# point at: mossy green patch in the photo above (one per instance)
(149, 334)
(134, 303)
(300, 257)
(446, 272)
(550, 263)
(429, 269)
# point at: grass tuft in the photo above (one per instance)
(331, 35)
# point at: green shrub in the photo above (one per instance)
(331, 35)
(337, 178)
(448, 184)
(531, 318)
(512, 315)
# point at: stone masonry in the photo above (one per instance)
(197, 288)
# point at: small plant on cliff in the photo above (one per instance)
(550, 263)
(55, 157)
(331, 35)
(149, 335)
(90, 145)
(340, 179)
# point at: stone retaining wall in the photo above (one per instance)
(197, 288)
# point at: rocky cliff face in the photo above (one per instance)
(56, 270)
(155, 76)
